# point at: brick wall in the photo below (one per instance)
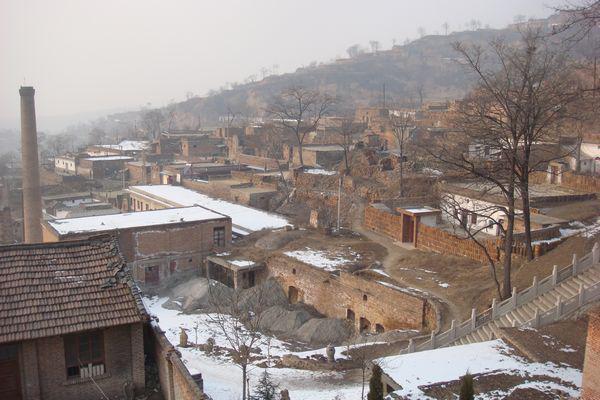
(45, 376)
(176, 382)
(333, 295)
(591, 366)
(440, 241)
(383, 222)
(585, 183)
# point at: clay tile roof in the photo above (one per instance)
(51, 289)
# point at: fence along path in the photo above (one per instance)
(551, 299)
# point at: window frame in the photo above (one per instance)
(219, 236)
(73, 348)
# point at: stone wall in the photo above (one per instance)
(591, 366)
(176, 382)
(333, 295)
(571, 180)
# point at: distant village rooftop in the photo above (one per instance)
(128, 145)
(108, 158)
(104, 223)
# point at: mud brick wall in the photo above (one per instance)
(334, 295)
(585, 183)
(260, 162)
(591, 365)
(383, 222)
(176, 382)
(440, 241)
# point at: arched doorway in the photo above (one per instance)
(364, 325)
(292, 295)
(350, 315)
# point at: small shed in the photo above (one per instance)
(412, 216)
(234, 272)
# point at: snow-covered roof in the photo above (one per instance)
(101, 223)
(245, 219)
(108, 158)
(128, 145)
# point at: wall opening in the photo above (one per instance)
(364, 297)
(364, 325)
(350, 315)
(379, 328)
(293, 295)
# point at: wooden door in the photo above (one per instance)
(151, 274)
(10, 379)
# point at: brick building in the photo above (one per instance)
(102, 167)
(156, 244)
(71, 323)
(244, 220)
(591, 366)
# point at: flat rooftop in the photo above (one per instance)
(323, 147)
(108, 158)
(138, 219)
(244, 219)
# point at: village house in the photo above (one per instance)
(129, 148)
(244, 219)
(66, 164)
(71, 322)
(101, 167)
(156, 244)
(591, 366)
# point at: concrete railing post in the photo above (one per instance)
(411, 346)
(494, 308)
(581, 295)
(575, 264)
(432, 340)
(453, 330)
(554, 275)
(596, 253)
(473, 319)
(535, 286)
(536, 318)
(558, 307)
(513, 298)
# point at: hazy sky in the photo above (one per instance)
(84, 56)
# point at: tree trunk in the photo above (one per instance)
(508, 247)
(244, 373)
(362, 393)
(527, 216)
(402, 166)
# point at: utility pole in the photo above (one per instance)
(339, 202)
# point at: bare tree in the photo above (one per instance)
(374, 46)
(582, 17)
(347, 131)
(421, 31)
(446, 28)
(151, 121)
(298, 110)
(354, 51)
(237, 314)
(402, 124)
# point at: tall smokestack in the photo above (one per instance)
(32, 197)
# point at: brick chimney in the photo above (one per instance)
(32, 198)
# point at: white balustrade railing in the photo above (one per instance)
(497, 310)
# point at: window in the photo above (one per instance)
(84, 354)
(473, 218)
(219, 236)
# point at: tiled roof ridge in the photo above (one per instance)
(104, 239)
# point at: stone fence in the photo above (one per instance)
(499, 309)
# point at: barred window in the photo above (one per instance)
(219, 236)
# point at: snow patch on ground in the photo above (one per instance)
(320, 171)
(222, 377)
(415, 370)
(322, 259)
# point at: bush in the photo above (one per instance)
(375, 384)
(467, 392)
